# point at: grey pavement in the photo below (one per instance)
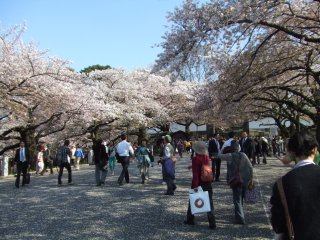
(43, 210)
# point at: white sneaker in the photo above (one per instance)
(164, 183)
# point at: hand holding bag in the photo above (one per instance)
(28, 175)
(251, 196)
(199, 201)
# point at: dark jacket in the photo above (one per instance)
(17, 155)
(99, 153)
(213, 148)
(247, 146)
(302, 190)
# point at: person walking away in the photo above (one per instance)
(47, 161)
(187, 146)
(180, 147)
(274, 146)
(161, 154)
(264, 149)
(226, 145)
(22, 159)
(112, 157)
(63, 161)
(73, 157)
(279, 145)
(301, 190)
(142, 154)
(214, 150)
(124, 150)
(100, 159)
(257, 148)
(238, 164)
(168, 169)
(78, 154)
(201, 158)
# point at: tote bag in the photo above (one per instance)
(199, 201)
(251, 196)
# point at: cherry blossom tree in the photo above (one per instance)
(42, 99)
(253, 47)
(142, 100)
(35, 89)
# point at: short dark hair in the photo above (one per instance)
(67, 142)
(123, 136)
(231, 134)
(143, 139)
(302, 144)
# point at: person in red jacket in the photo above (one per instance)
(198, 160)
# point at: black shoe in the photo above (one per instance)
(174, 187)
(98, 185)
(17, 186)
(239, 222)
(188, 222)
(166, 193)
(217, 180)
(213, 226)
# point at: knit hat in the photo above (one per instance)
(200, 148)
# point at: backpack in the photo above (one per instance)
(206, 173)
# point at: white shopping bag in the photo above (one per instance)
(199, 201)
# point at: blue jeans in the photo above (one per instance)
(238, 197)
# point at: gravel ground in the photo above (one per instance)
(43, 210)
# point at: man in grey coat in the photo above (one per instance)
(238, 163)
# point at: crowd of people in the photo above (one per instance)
(240, 154)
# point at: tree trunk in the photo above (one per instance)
(141, 134)
(28, 137)
(317, 125)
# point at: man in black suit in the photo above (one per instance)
(214, 150)
(247, 147)
(22, 159)
(301, 187)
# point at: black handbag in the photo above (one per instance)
(27, 179)
(118, 158)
